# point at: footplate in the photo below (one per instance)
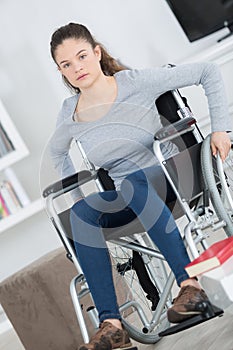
(208, 311)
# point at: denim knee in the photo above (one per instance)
(80, 208)
(139, 175)
(84, 212)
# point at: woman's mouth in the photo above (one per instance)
(82, 76)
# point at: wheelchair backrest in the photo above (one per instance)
(168, 109)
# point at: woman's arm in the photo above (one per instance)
(59, 147)
(161, 80)
(213, 85)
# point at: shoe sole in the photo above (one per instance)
(130, 347)
(127, 346)
(175, 317)
(122, 347)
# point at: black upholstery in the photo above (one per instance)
(167, 108)
(105, 180)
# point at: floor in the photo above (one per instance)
(213, 335)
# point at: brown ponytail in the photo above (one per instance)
(109, 64)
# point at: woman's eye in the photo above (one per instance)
(66, 65)
(82, 57)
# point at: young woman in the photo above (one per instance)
(113, 115)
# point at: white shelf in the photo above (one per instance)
(20, 149)
(14, 149)
(24, 213)
(220, 53)
(12, 157)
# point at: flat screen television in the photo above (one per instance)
(199, 18)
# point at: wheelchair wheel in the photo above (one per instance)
(138, 297)
(219, 181)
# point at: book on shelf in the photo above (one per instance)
(4, 212)
(9, 199)
(18, 188)
(211, 258)
(6, 145)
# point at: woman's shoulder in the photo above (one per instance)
(67, 108)
(132, 73)
(138, 78)
(70, 102)
(137, 74)
(69, 105)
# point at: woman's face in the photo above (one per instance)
(79, 62)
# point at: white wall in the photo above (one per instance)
(139, 33)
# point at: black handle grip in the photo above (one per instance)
(78, 178)
(172, 129)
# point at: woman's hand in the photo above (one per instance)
(220, 142)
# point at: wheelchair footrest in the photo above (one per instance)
(208, 311)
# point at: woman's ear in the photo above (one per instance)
(97, 51)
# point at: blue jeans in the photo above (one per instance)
(142, 195)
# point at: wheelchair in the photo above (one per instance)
(144, 284)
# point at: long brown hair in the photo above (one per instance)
(109, 65)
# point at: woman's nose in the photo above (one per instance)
(78, 67)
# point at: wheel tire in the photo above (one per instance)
(129, 288)
(209, 175)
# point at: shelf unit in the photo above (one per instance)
(22, 214)
(17, 151)
(20, 149)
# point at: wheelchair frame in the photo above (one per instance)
(150, 332)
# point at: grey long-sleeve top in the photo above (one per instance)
(122, 140)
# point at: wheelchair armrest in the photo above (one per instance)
(76, 179)
(173, 130)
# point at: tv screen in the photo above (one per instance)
(199, 18)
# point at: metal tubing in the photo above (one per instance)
(183, 203)
(93, 315)
(138, 248)
(162, 302)
(186, 112)
(223, 181)
(54, 218)
(139, 309)
(189, 239)
(78, 309)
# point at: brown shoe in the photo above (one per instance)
(184, 305)
(108, 337)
